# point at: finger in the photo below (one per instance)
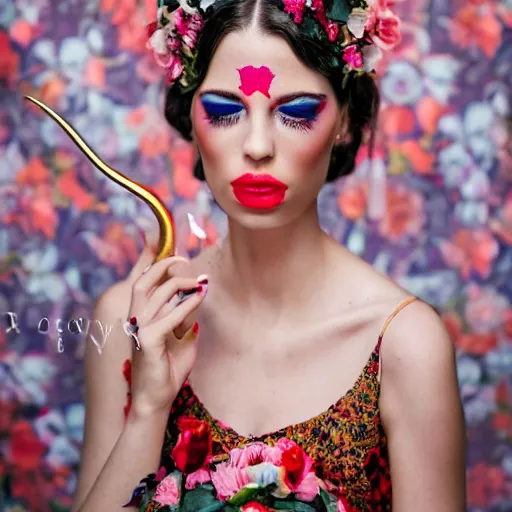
(168, 291)
(151, 278)
(147, 257)
(201, 286)
(178, 315)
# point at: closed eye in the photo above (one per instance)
(302, 108)
(216, 106)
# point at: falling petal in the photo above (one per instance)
(195, 228)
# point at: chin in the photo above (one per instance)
(261, 219)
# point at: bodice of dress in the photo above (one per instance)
(347, 441)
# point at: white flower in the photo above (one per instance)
(357, 21)
(263, 474)
(158, 41)
(186, 7)
(371, 55)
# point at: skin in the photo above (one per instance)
(290, 316)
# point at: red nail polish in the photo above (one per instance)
(195, 328)
(199, 289)
(202, 279)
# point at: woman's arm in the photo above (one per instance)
(422, 413)
(105, 389)
(105, 386)
(135, 455)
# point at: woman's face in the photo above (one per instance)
(265, 125)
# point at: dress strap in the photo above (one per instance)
(397, 310)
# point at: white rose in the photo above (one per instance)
(357, 21)
(158, 41)
(371, 55)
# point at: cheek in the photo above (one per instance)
(313, 153)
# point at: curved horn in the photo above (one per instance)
(164, 217)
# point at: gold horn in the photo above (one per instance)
(164, 217)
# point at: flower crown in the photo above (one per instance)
(357, 29)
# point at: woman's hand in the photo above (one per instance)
(164, 361)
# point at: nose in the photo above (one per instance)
(259, 143)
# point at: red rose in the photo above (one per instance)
(294, 463)
(194, 446)
(254, 506)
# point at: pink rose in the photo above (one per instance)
(332, 31)
(387, 31)
(295, 7)
(167, 492)
(201, 476)
(254, 506)
(254, 454)
(174, 69)
(179, 18)
(353, 57)
(228, 480)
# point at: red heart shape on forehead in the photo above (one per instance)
(255, 79)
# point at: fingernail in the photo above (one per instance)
(191, 334)
(146, 269)
(202, 279)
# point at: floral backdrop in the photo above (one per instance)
(67, 233)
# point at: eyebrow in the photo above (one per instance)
(279, 101)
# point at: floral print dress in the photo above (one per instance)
(346, 444)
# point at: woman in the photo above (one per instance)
(291, 325)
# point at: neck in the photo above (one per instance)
(268, 269)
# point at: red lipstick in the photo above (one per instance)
(259, 191)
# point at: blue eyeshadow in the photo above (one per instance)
(304, 108)
(216, 105)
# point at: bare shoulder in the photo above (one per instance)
(421, 411)
(416, 338)
(418, 369)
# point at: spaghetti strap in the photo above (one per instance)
(397, 310)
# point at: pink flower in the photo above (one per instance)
(167, 492)
(228, 480)
(254, 506)
(255, 453)
(382, 24)
(179, 18)
(174, 69)
(387, 31)
(353, 57)
(295, 7)
(298, 475)
(173, 44)
(201, 476)
(332, 31)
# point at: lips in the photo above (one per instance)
(259, 191)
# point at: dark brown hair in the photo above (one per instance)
(360, 95)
